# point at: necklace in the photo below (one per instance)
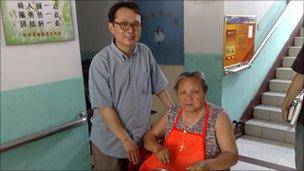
(182, 146)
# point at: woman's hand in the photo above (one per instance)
(198, 166)
(163, 154)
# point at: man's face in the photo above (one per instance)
(126, 37)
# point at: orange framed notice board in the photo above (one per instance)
(238, 39)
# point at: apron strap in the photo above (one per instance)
(204, 130)
(205, 122)
(179, 114)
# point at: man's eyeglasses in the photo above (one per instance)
(125, 25)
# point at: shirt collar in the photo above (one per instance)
(120, 53)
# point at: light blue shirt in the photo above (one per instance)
(126, 85)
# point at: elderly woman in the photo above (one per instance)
(198, 135)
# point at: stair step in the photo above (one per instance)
(268, 112)
(279, 85)
(299, 41)
(294, 50)
(274, 98)
(288, 61)
(285, 73)
(267, 122)
(270, 130)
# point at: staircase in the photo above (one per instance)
(267, 119)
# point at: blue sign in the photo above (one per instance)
(163, 30)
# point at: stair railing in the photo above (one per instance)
(79, 120)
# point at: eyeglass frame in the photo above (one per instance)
(128, 26)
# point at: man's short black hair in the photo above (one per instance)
(115, 7)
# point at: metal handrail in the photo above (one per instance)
(80, 119)
(241, 67)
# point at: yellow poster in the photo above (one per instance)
(238, 39)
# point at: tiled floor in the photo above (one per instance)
(276, 153)
(247, 166)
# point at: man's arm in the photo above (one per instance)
(112, 121)
(165, 98)
(294, 89)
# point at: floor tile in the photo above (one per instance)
(288, 159)
(267, 150)
(279, 153)
(247, 166)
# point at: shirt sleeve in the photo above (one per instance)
(158, 79)
(99, 88)
(298, 65)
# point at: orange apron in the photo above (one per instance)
(182, 154)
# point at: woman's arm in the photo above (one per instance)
(226, 140)
(153, 135)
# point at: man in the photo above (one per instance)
(122, 78)
(294, 89)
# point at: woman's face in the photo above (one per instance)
(190, 94)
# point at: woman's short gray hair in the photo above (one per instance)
(196, 75)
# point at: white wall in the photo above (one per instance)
(257, 8)
(26, 65)
(93, 24)
(203, 22)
